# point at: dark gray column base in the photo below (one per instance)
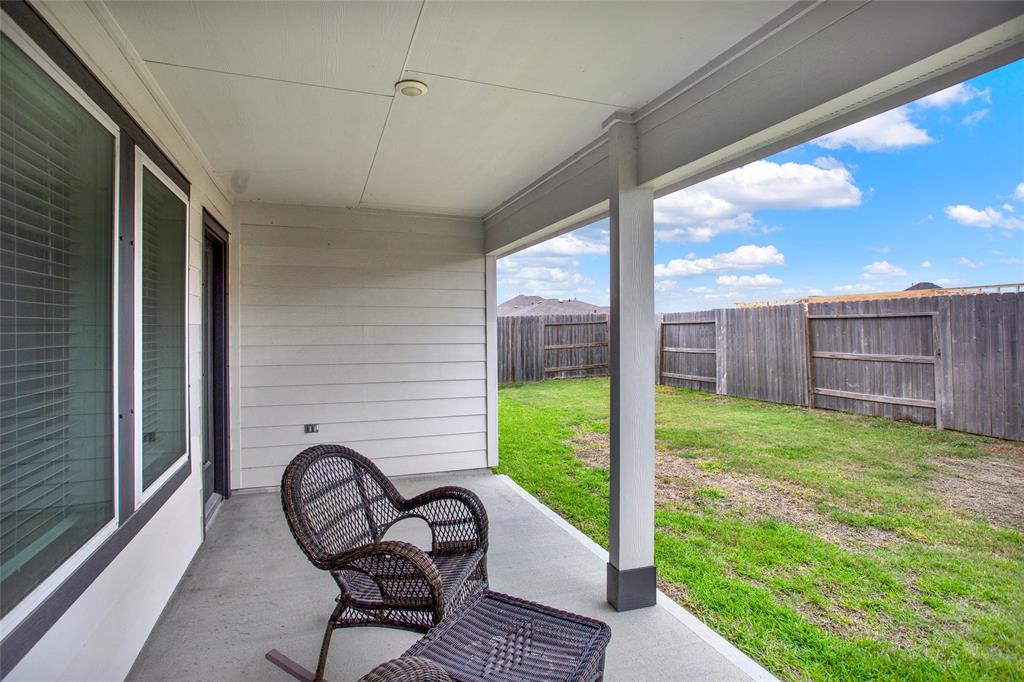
(632, 589)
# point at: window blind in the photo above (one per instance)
(56, 241)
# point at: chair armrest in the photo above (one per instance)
(455, 515)
(407, 669)
(404, 574)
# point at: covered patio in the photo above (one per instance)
(250, 590)
(360, 218)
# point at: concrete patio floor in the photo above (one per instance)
(250, 589)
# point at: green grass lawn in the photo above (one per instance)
(825, 545)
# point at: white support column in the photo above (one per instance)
(631, 575)
(491, 284)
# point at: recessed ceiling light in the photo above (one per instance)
(411, 88)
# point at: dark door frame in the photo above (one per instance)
(216, 399)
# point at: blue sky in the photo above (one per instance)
(932, 191)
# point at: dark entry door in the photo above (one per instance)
(215, 353)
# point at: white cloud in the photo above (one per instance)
(759, 280)
(571, 244)
(961, 93)
(926, 264)
(985, 217)
(853, 288)
(1018, 193)
(975, 117)
(544, 276)
(967, 263)
(894, 129)
(747, 257)
(879, 249)
(1010, 260)
(552, 269)
(890, 130)
(666, 286)
(709, 294)
(881, 268)
(803, 292)
(727, 203)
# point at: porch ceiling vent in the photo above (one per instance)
(410, 88)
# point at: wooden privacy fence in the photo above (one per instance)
(533, 348)
(575, 346)
(688, 350)
(881, 363)
(953, 361)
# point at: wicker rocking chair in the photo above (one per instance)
(339, 506)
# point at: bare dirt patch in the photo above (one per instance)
(698, 483)
(592, 448)
(989, 487)
(678, 479)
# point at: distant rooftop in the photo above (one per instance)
(538, 305)
(919, 289)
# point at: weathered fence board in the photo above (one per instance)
(688, 350)
(953, 361)
(765, 353)
(985, 385)
(520, 349)
(575, 346)
(868, 342)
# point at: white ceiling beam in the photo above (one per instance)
(571, 195)
(817, 68)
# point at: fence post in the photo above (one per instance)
(938, 346)
(537, 335)
(809, 351)
(721, 339)
(659, 343)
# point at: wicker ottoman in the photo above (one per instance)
(500, 638)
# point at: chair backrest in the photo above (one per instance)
(335, 500)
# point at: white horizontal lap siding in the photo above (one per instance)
(371, 325)
(330, 335)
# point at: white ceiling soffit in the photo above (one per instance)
(293, 102)
(266, 139)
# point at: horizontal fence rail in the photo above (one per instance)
(953, 361)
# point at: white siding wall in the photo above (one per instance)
(99, 637)
(370, 324)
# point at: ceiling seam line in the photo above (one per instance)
(269, 78)
(376, 150)
(511, 87)
(412, 39)
(391, 104)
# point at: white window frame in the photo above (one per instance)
(43, 590)
(142, 161)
